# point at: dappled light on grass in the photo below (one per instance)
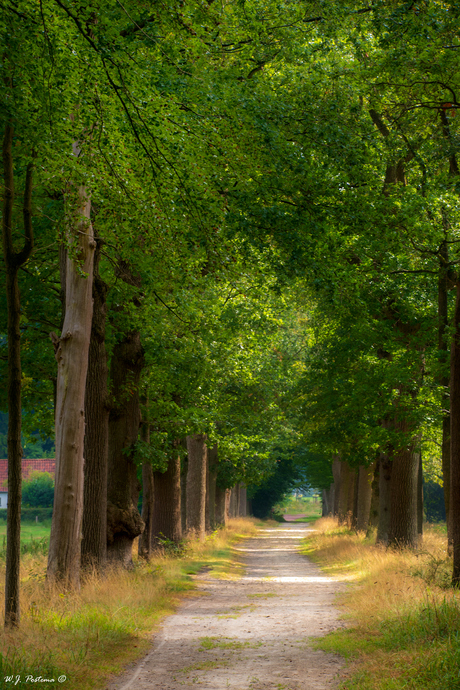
(405, 629)
(88, 634)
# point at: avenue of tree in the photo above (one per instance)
(230, 240)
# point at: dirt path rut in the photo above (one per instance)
(249, 634)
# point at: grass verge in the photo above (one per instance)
(89, 635)
(404, 619)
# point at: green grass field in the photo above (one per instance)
(302, 505)
(34, 537)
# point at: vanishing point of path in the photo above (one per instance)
(252, 633)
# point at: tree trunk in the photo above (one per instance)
(353, 501)
(72, 349)
(13, 260)
(236, 490)
(403, 521)
(346, 492)
(420, 505)
(124, 523)
(336, 468)
(328, 501)
(443, 347)
(96, 442)
(365, 477)
(211, 478)
(167, 507)
(454, 508)
(146, 539)
(145, 545)
(228, 496)
(232, 502)
(375, 498)
(183, 492)
(385, 485)
(196, 485)
(243, 501)
(220, 510)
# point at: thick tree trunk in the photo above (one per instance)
(167, 507)
(365, 478)
(196, 485)
(454, 508)
(124, 523)
(346, 492)
(375, 498)
(220, 510)
(96, 443)
(211, 478)
(328, 501)
(385, 485)
(404, 480)
(72, 349)
(13, 261)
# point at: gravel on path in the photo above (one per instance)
(252, 633)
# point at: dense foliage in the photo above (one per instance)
(274, 194)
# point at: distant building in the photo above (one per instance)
(28, 466)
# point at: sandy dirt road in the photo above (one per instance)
(252, 633)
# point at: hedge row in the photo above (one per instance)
(30, 514)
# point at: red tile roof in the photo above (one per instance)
(42, 465)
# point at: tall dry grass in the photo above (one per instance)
(402, 615)
(89, 634)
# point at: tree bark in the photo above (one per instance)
(232, 502)
(328, 501)
(243, 501)
(145, 544)
(336, 467)
(146, 539)
(72, 350)
(454, 509)
(167, 507)
(183, 491)
(220, 510)
(196, 485)
(385, 485)
(228, 496)
(443, 347)
(96, 442)
(403, 521)
(13, 261)
(375, 498)
(124, 523)
(365, 477)
(211, 478)
(420, 505)
(236, 506)
(353, 501)
(346, 492)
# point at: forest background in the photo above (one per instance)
(242, 221)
